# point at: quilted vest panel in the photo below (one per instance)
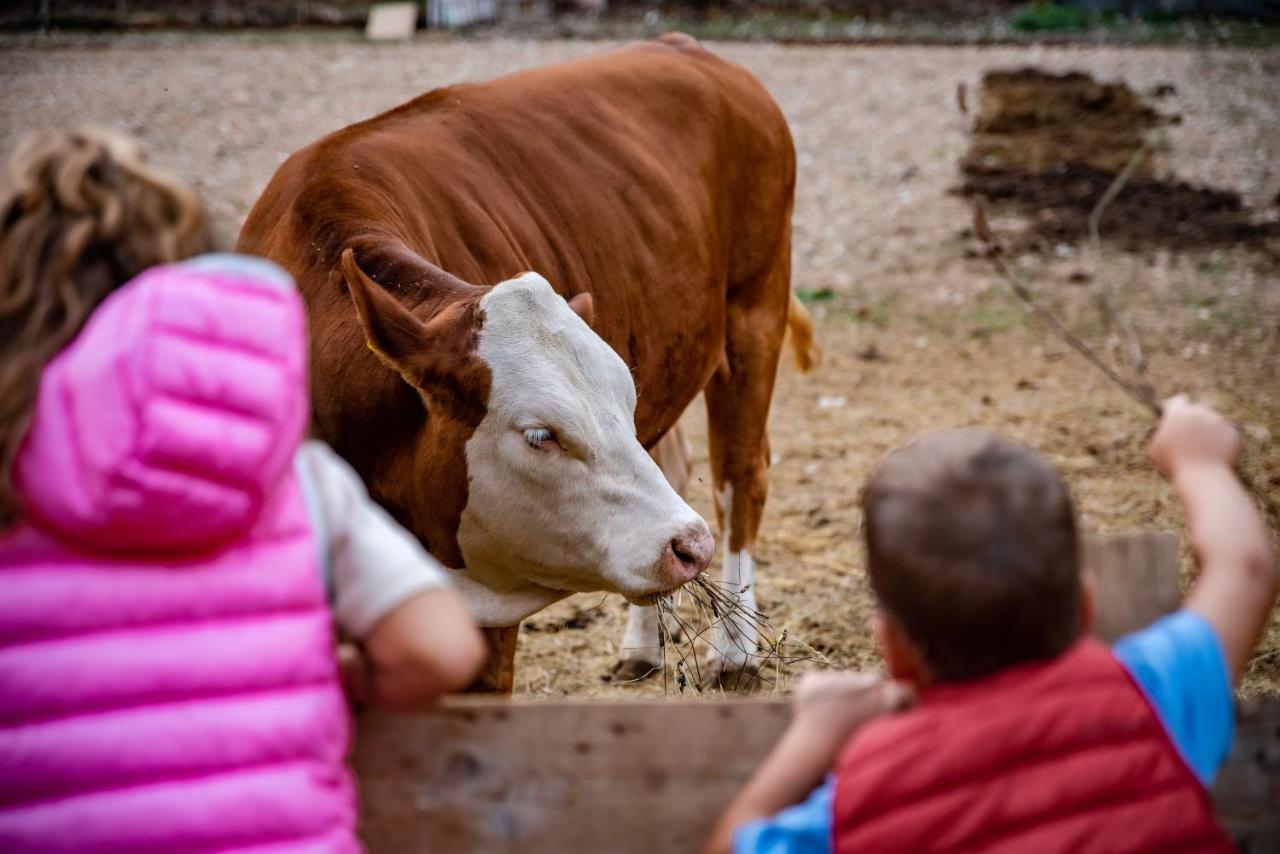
(1065, 756)
(167, 674)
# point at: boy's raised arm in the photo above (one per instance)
(1196, 449)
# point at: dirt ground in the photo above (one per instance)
(918, 332)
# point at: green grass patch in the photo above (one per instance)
(992, 311)
(1047, 17)
(1214, 269)
(1161, 17)
(812, 295)
(874, 311)
(1225, 318)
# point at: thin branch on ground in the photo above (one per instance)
(1144, 394)
(1106, 297)
(982, 228)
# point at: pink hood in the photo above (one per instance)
(117, 454)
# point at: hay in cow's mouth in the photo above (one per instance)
(711, 604)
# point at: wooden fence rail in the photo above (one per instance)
(483, 774)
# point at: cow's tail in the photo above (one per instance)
(800, 330)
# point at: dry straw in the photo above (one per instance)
(686, 618)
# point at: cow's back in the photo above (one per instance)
(655, 176)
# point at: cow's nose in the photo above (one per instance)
(689, 553)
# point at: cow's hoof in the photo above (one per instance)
(733, 678)
(633, 670)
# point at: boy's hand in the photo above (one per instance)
(1191, 434)
(830, 706)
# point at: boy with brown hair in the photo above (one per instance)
(1025, 734)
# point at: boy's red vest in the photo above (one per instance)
(1065, 756)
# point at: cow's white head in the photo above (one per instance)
(560, 492)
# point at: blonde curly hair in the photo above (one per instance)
(81, 213)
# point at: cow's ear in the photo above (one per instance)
(390, 329)
(437, 357)
(585, 307)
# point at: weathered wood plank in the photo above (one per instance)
(486, 775)
(1137, 576)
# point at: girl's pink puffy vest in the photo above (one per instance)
(167, 671)
(1053, 758)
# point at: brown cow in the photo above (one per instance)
(651, 187)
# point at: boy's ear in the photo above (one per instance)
(900, 654)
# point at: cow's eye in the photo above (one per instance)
(541, 439)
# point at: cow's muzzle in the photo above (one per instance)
(687, 555)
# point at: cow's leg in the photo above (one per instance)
(738, 398)
(499, 673)
(641, 654)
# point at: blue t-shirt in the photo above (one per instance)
(1178, 663)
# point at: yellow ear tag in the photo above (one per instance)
(382, 357)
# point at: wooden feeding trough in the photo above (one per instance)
(482, 775)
